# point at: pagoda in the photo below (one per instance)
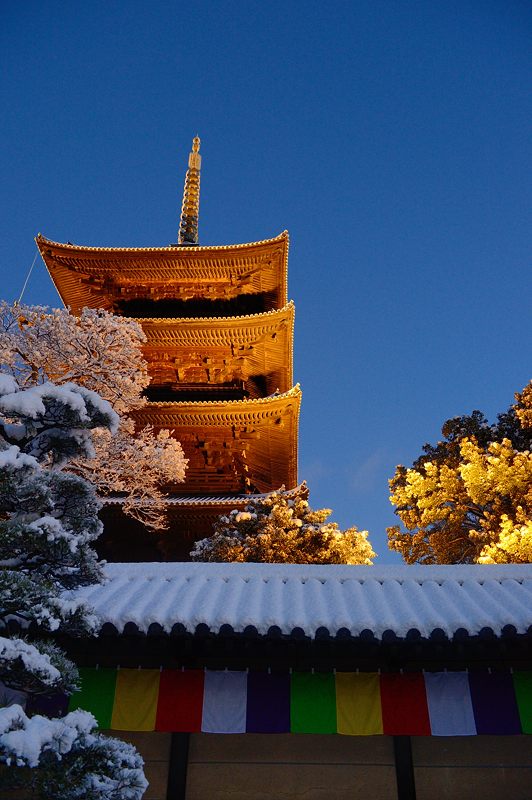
(219, 348)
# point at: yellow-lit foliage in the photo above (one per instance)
(513, 544)
(523, 407)
(280, 529)
(433, 504)
(500, 480)
(468, 499)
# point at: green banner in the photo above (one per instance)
(313, 702)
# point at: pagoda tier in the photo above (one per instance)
(232, 446)
(170, 281)
(232, 357)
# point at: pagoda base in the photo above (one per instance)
(127, 539)
(189, 519)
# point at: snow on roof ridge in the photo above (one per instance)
(398, 572)
(357, 598)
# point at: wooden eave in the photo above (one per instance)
(232, 445)
(220, 503)
(100, 277)
(215, 350)
(228, 649)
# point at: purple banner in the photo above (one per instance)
(268, 709)
(494, 704)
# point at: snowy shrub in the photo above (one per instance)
(64, 758)
(281, 529)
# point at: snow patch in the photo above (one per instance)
(12, 458)
(8, 384)
(397, 598)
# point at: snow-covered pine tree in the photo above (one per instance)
(102, 352)
(48, 519)
(281, 529)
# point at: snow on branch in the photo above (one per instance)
(101, 353)
(70, 742)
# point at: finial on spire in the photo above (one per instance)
(188, 225)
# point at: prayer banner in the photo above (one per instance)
(180, 702)
(523, 695)
(97, 694)
(404, 705)
(358, 703)
(12, 697)
(48, 706)
(136, 696)
(449, 702)
(268, 703)
(494, 703)
(313, 703)
(224, 702)
(348, 703)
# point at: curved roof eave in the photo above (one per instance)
(43, 240)
(212, 405)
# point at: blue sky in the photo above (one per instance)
(392, 139)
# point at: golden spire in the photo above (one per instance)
(188, 225)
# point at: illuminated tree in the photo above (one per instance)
(523, 406)
(103, 353)
(280, 529)
(469, 498)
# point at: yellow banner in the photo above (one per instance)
(135, 705)
(358, 703)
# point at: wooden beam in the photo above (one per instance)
(178, 766)
(404, 768)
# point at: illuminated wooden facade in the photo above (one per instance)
(219, 348)
(132, 279)
(252, 353)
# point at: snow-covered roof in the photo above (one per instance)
(336, 599)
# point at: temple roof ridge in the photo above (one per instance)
(226, 320)
(40, 239)
(294, 392)
(310, 599)
(104, 277)
(216, 500)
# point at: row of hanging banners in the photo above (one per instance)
(364, 704)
